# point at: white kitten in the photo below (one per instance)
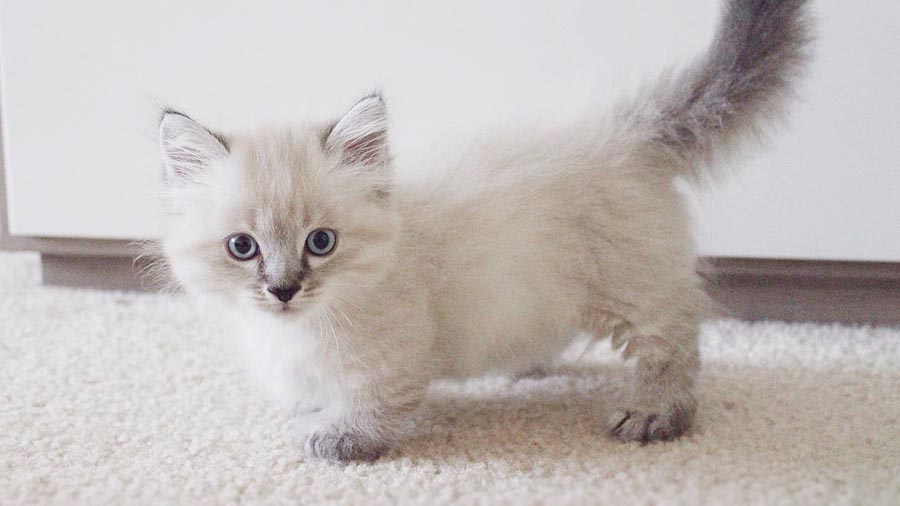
(355, 291)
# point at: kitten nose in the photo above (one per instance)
(285, 293)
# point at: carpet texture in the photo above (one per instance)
(112, 398)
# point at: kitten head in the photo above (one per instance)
(283, 220)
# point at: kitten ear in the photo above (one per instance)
(361, 135)
(187, 147)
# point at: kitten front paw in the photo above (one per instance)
(343, 447)
(646, 425)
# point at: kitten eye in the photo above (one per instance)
(242, 247)
(321, 242)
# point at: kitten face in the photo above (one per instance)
(282, 221)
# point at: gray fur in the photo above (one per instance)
(739, 85)
(343, 447)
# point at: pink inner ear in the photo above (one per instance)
(186, 160)
(365, 149)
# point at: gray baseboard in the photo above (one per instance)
(751, 289)
(805, 290)
(81, 271)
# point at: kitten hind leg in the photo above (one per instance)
(661, 404)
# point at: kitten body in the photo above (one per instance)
(495, 264)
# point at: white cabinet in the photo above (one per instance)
(81, 83)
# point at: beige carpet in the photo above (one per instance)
(110, 398)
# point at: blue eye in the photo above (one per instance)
(242, 247)
(321, 242)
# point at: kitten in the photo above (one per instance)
(354, 291)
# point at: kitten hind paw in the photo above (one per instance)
(651, 425)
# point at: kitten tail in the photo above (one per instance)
(729, 95)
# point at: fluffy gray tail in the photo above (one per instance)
(739, 85)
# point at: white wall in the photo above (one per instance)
(80, 81)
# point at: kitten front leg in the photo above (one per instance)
(359, 428)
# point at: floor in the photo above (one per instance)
(115, 398)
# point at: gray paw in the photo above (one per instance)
(651, 425)
(343, 447)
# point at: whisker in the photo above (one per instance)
(344, 315)
(352, 305)
(337, 346)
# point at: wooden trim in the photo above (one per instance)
(734, 267)
(103, 272)
(805, 290)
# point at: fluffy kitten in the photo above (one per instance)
(355, 291)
